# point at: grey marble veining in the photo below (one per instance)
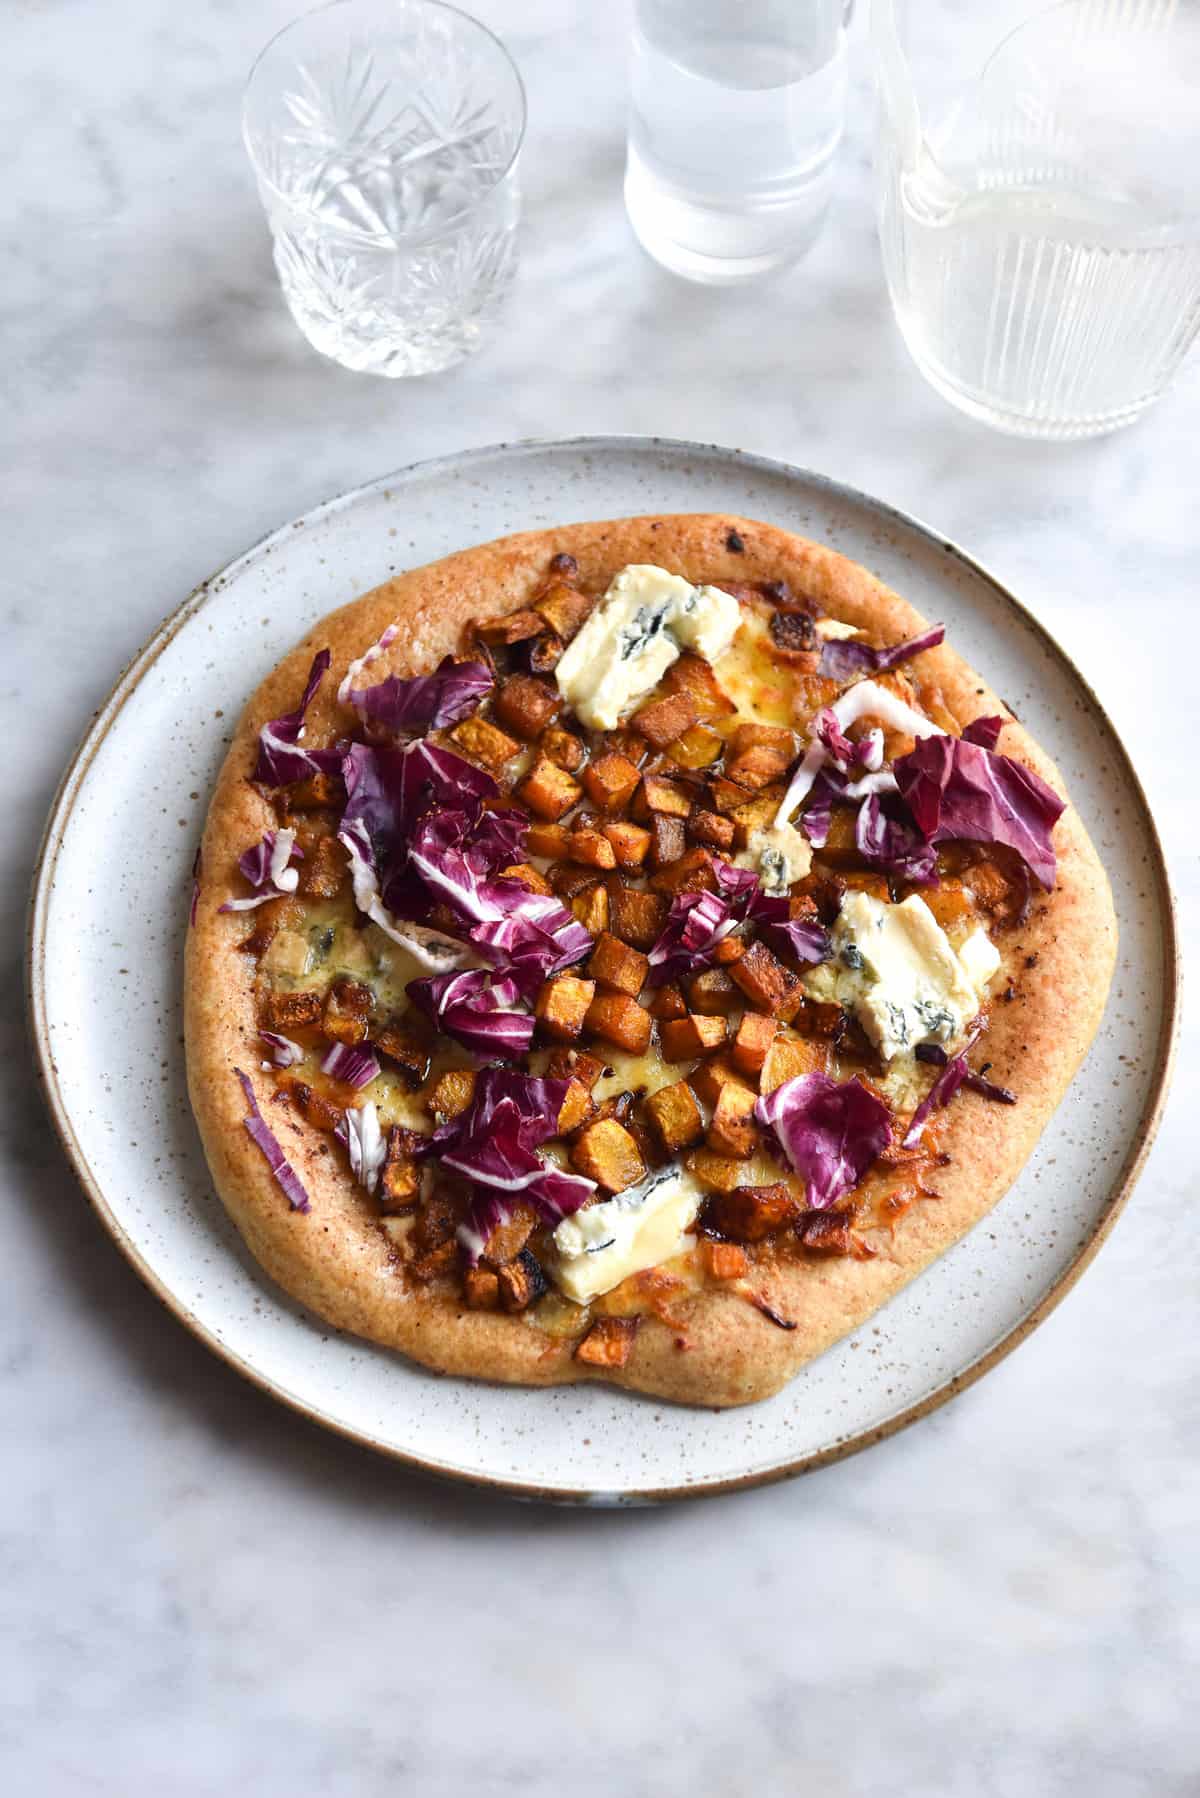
(201, 1592)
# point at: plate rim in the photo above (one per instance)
(126, 684)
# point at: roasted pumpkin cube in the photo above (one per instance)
(575, 1109)
(692, 872)
(611, 781)
(663, 720)
(698, 747)
(525, 705)
(816, 1019)
(481, 1288)
(763, 736)
(563, 748)
(712, 1077)
(507, 1239)
(528, 877)
(485, 742)
(762, 978)
(609, 1342)
(606, 1153)
(660, 796)
(548, 790)
(719, 1173)
(668, 1002)
(730, 948)
(636, 917)
(313, 1107)
(631, 844)
(685, 1038)
(591, 908)
(564, 608)
(450, 1094)
(949, 903)
(752, 816)
(569, 878)
(323, 872)
(790, 1056)
(675, 1115)
(752, 1043)
(521, 1282)
(722, 1260)
(435, 1264)
(346, 1017)
(549, 840)
(406, 1047)
(544, 653)
(289, 1011)
(692, 675)
(561, 1005)
(711, 829)
(824, 1233)
(757, 767)
(840, 848)
(620, 1020)
(712, 992)
(875, 884)
(750, 1213)
(400, 1181)
(668, 840)
(591, 850)
(615, 965)
(733, 1130)
(510, 627)
(574, 1064)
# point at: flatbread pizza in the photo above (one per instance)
(631, 952)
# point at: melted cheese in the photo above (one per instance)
(597, 1248)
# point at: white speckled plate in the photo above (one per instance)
(105, 961)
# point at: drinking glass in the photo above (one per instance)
(736, 112)
(1039, 211)
(385, 136)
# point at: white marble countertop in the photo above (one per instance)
(201, 1592)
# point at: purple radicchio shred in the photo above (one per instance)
(957, 791)
(833, 738)
(697, 922)
(886, 836)
(425, 701)
(281, 757)
(284, 1052)
(493, 1146)
(954, 1074)
(843, 658)
(281, 1168)
(827, 790)
(985, 732)
(829, 1131)
(354, 1064)
(474, 1006)
(805, 939)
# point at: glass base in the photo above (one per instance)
(645, 210)
(1018, 424)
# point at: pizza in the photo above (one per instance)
(631, 952)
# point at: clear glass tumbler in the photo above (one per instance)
(385, 136)
(1039, 207)
(736, 113)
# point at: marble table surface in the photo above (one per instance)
(203, 1593)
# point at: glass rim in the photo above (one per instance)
(443, 6)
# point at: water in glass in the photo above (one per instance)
(736, 113)
(384, 136)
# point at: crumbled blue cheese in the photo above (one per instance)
(597, 1248)
(779, 855)
(640, 627)
(895, 967)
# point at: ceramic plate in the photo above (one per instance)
(105, 977)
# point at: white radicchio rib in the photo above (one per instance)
(866, 699)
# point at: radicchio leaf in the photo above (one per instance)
(475, 1007)
(425, 701)
(281, 759)
(695, 924)
(281, 1168)
(954, 1074)
(284, 1052)
(844, 657)
(364, 1142)
(356, 1065)
(806, 940)
(984, 731)
(833, 738)
(829, 1131)
(364, 661)
(886, 837)
(267, 867)
(958, 791)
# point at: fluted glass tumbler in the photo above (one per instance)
(385, 135)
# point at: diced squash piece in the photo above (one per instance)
(574, 1064)
(711, 829)
(698, 747)
(575, 1109)
(609, 1342)
(722, 1260)
(485, 742)
(606, 1153)
(611, 781)
(762, 978)
(346, 1017)
(733, 1130)
(548, 790)
(660, 796)
(685, 1038)
(563, 748)
(481, 1288)
(636, 917)
(630, 842)
(549, 840)
(825, 1233)
(757, 767)
(719, 1173)
(406, 1048)
(313, 1107)
(508, 1239)
(620, 1020)
(840, 848)
(692, 675)
(750, 1213)
(668, 840)
(435, 1264)
(450, 1094)
(528, 877)
(751, 816)
(521, 1282)
(564, 608)
(545, 653)
(730, 948)
(569, 878)
(949, 903)
(712, 992)
(591, 850)
(561, 1005)
(692, 872)
(615, 965)
(816, 1019)
(752, 1043)
(289, 1011)
(663, 720)
(763, 736)
(525, 705)
(511, 627)
(627, 742)
(591, 908)
(675, 1115)
(712, 1077)
(668, 1002)
(400, 1181)
(790, 1056)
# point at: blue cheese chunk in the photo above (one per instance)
(895, 967)
(779, 855)
(596, 1249)
(640, 627)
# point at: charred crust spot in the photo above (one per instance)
(735, 544)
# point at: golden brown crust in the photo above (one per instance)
(337, 1261)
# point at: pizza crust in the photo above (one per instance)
(338, 1262)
